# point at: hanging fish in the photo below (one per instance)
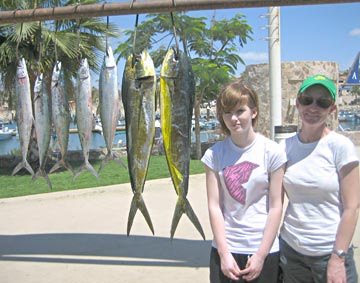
(177, 93)
(42, 113)
(138, 96)
(24, 114)
(109, 105)
(60, 115)
(84, 114)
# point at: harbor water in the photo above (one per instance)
(97, 141)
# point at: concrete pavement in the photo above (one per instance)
(80, 236)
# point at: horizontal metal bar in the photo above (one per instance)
(124, 8)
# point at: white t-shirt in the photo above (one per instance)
(311, 183)
(244, 193)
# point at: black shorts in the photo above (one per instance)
(269, 273)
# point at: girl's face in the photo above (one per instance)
(315, 105)
(239, 119)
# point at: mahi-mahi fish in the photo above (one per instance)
(60, 115)
(109, 105)
(177, 93)
(42, 113)
(138, 95)
(24, 114)
(84, 115)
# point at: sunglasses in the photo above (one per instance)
(321, 102)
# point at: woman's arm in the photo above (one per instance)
(228, 264)
(350, 197)
(255, 263)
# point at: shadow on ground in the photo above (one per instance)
(111, 249)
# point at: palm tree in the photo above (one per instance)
(41, 44)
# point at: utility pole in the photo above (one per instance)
(275, 70)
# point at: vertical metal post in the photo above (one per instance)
(274, 70)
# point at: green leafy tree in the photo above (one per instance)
(212, 46)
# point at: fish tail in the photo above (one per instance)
(111, 156)
(89, 167)
(41, 173)
(138, 203)
(23, 164)
(183, 206)
(62, 163)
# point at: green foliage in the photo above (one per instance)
(42, 43)
(213, 46)
(111, 174)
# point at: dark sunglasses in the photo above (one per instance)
(321, 102)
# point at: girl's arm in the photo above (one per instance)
(228, 264)
(255, 263)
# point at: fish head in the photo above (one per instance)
(84, 71)
(144, 65)
(170, 66)
(56, 71)
(21, 70)
(109, 60)
(38, 83)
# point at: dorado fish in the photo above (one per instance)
(177, 93)
(84, 115)
(138, 95)
(109, 105)
(24, 114)
(42, 124)
(60, 115)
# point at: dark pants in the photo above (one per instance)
(299, 268)
(269, 273)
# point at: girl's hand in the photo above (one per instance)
(229, 267)
(253, 267)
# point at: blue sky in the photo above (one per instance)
(327, 32)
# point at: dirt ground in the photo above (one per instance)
(80, 236)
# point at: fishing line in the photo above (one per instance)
(106, 35)
(134, 40)
(174, 31)
(40, 48)
(18, 42)
(78, 33)
(55, 43)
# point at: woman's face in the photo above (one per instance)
(314, 105)
(239, 119)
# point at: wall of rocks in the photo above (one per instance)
(292, 74)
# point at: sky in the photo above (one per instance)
(326, 32)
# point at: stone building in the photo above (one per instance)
(292, 74)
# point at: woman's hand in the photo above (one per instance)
(253, 267)
(336, 272)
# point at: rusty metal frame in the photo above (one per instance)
(158, 6)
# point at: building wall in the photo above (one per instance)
(292, 74)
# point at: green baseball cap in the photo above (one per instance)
(321, 80)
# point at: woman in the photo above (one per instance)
(322, 184)
(244, 179)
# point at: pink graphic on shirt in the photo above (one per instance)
(235, 176)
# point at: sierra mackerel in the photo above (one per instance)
(84, 115)
(109, 105)
(60, 115)
(42, 113)
(138, 95)
(24, 114)
(177, 94)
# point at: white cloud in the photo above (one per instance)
(355, 32)
(253, 56)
